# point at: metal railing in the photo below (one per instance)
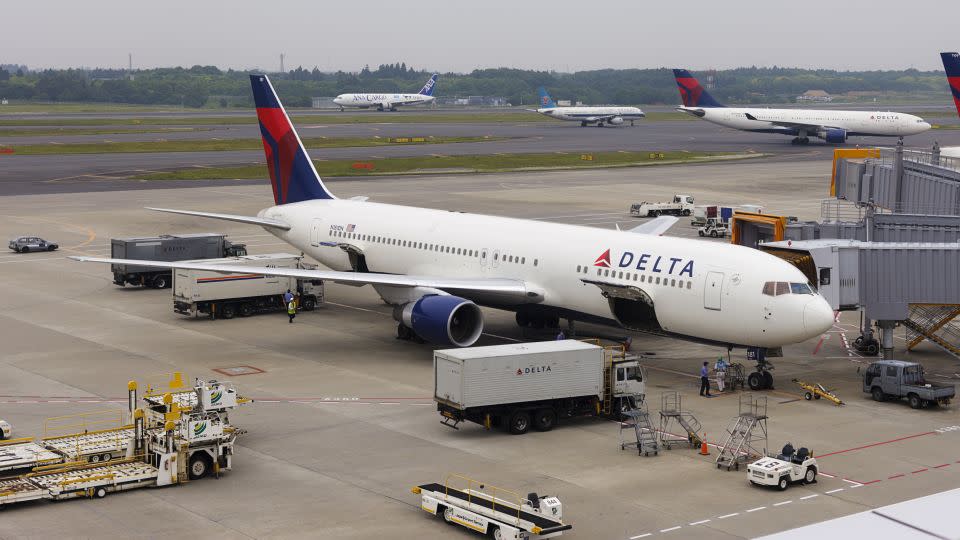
(889, 155)
(492, 497)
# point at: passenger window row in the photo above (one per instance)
(642, 278)
(430, 247)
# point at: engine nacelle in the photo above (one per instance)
(834, 135)
(444, 320)
(616, 120)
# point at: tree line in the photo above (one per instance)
(200, 86)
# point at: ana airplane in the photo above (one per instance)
(830, 125)
(951, 64)
(388, 102)
(436, 267)
(612, 115)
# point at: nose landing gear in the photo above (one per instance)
(761, 378)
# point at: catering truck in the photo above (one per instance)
(224, 296)
(521, 385)
(166, 247)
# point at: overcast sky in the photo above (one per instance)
(460, 36)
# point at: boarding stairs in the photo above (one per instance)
(644, 437)
(937, 324)
(746, 438)
(674, 418)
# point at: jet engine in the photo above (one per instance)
(442, 319)
(615, 121)
(834, 135)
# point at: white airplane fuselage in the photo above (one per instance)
(708, 291)
(385, 101)
(871, 123)
(592, 114)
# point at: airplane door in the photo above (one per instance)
(315, 233)
(483, 257)
(712, 290)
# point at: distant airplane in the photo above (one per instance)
(388, 102)
(612, 115)
(951, 64)
(833, 126)
(436, 267)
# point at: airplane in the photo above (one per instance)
(388, 102)
(437, 267)
(951, 64)
(832, 126)
(612, 115)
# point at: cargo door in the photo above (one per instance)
(712, 291)
(315, 232)
(448, 380)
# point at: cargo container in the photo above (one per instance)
(167, 247)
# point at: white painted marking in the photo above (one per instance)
(729, 515)
(782, 503)
(834, 491)
(26, 401)
(701, 522)
(640, 536)
(670, 529)
(757, 509)
(856, 484)
(58, 401)
(809, 496)
(268, 401)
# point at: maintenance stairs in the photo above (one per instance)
(746, 438)
(671, 412)
(935, 323)
(644, 437)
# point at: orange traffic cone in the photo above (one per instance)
(704, 449)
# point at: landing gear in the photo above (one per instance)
(867, 345)
(583, 124)
(800, 140)
(404, 332)
(761, 379)
(600, 124)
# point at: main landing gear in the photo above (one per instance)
(800, 140)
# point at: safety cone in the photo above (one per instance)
(704, 449)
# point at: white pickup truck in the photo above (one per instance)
(681, 205)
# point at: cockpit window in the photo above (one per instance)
(770, 288)
(778, 288)
(800, 288)
(783, 288)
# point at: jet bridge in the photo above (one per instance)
(913, 284)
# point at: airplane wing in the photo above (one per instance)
(498, 286)
(263, 222)
(656, 226)
(599, 118)
(792, 125)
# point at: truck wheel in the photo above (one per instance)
(656, 213)
(94, 458)
(700, 233)
(160, 282)
(915, 401)
(808, 396)
(810, 476)
(519, 422)
(199, 465)
(544, 420)
(309, 303)
(783, 483)
(686, 212)
(100, 492)
(24, 249)
(877, 394)
(713, 234)
(755, 381)
(497, 535)
(227, 311)
(246, 309)
(448, 514)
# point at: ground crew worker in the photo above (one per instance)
(721, 369)
(704, 379)
(291, 310)
(287, 297)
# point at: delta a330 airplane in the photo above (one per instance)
(830, 125)
(437, 267)
(612, 115)
(388, 102)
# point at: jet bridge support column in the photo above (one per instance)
(886, 337)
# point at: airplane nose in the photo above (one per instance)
(817, 317)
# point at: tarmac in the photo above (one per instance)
(344, 425)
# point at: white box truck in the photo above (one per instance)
(521, 385)
(225, 296)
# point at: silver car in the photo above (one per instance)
(26, 244)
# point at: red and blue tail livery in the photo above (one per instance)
(691, 93)
(292, 174)
(951, 64)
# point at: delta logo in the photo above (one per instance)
(199, 429)
(649, 262)
(534, 369)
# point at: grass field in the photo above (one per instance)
(63, 108)
(60, 132)
(321, 119)
(446, 164)
(224, 145)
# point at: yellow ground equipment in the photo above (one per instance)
(817, 391)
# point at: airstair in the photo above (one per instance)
(746, 438)
(643, 438)
(935, 323)
(674, 418)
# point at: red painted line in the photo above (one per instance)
(901, 475)
(871, 482)
(817, 348)
(918, 471)
(941, 466)
(877, 444)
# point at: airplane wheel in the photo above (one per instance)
(403, 332)
(768, 380)
(755, 381)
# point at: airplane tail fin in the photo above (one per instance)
(951, 64)
(546, 101)
(427, 89)
(292, 174)
(691, 93)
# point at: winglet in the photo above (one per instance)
(656, 226)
